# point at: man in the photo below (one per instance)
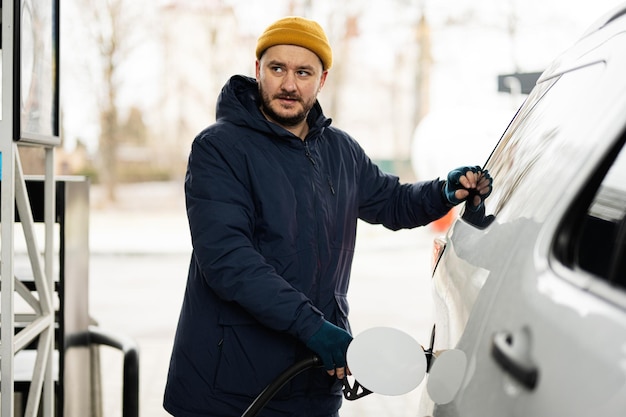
(273, 195)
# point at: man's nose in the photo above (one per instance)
(289, 81)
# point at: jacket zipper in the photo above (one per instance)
(330, 184)
(307, 153)
(309, 156)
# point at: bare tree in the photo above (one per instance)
(112, 26)
(424, 67)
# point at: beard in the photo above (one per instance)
(287, 121)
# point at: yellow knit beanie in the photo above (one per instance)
(300, 32)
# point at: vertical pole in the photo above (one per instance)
(49, 217)
(7, 216)
(7, 286)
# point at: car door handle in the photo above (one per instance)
(512, 352)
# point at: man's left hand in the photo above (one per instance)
(467, 181)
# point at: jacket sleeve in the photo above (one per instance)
(220, 210)
(384, 200)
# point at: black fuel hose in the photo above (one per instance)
(278, 383)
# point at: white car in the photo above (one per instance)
(532, 291)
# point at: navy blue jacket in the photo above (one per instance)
(273, 223)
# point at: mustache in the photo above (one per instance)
(286, 96)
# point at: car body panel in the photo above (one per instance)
(498, 273)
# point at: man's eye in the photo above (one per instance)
(277, 69)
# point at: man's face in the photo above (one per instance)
(289, 79)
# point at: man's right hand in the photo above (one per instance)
(330, 343)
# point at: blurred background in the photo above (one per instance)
(140, 77)
(421, 85)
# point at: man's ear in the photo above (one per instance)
(322, 80)
(257, 66)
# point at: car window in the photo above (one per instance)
(600, 248)
(539, 152)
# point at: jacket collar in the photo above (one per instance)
(238, 103)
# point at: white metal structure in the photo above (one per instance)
(39, 325)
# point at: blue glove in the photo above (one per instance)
(452, 184)
(473, 193)
(330, 343)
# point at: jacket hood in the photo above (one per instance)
(238, 103)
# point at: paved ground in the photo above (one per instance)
(139, 258)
